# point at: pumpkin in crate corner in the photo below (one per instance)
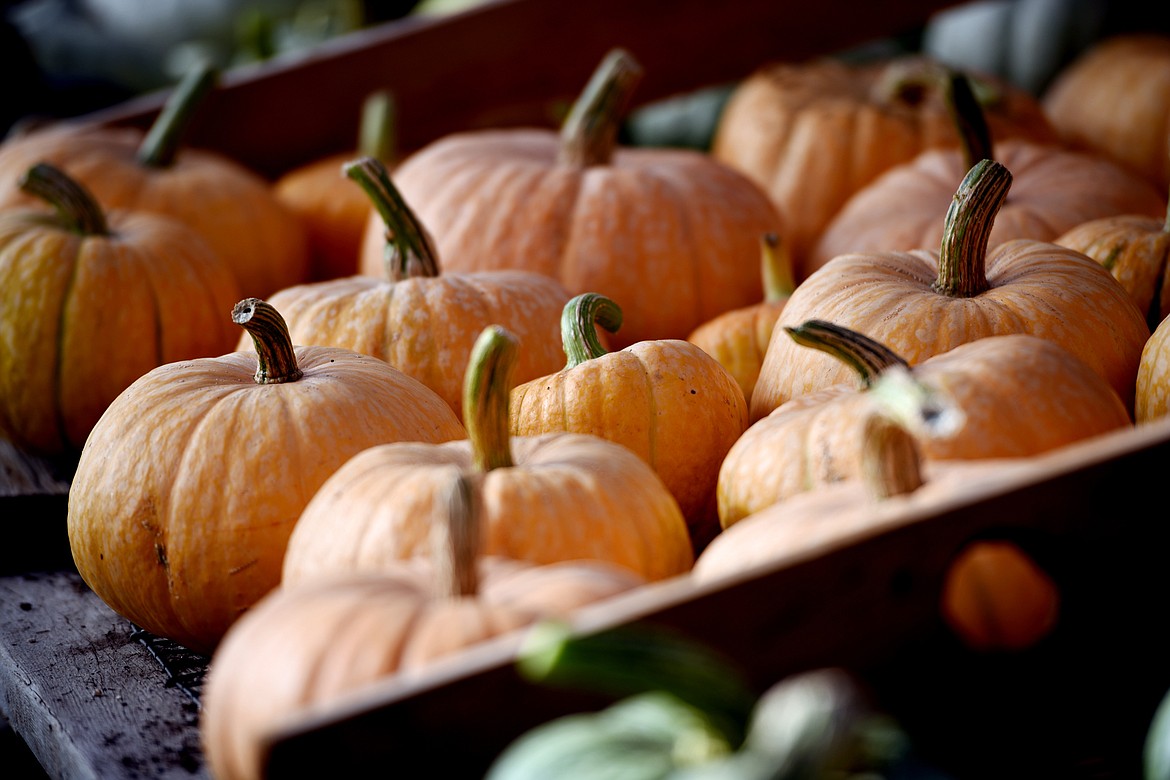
(230, 206)
(670, 233)
(417, 318)
(304, 646)
(189, 485)
(554, 497)
(91, 299)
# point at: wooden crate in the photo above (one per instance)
(95, 698)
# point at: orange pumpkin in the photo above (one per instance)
(417, 319)
(230, 206)
(89, 301)
(1019, 395)
(739, 338)
(671, 233)
(1153, 377)
(666, 400)
(1114, 100)
(332, 208)
(190, 483)
(923, 302)
(548, 498)
(813, 133)
(307, 645)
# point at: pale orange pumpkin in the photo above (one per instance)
(416, 318)
(332, 208)
(89, 301)
(548, 498)
(309, 645)
(923, 302)
(1153, 376)
(190, 483)
(813, 133)
(739, 338)
(229, 205)
(670, 233)
(1019, 395)
(666, 400)
(1114, 99)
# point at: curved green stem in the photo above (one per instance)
(776, 268)
(867, 357)
(377, 134)
(409, 252)
(589, 132)
(969, 118)
(165, 137)
(486, 389)
(455, 538)
(579, 319)
(274, 347)
(891, 462)
(962, 269)
(77, 210)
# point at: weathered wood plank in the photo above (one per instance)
(85, 690)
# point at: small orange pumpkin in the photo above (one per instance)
(922, 302)
(350, 631)
(548, 498)
(190, 483)
(666, 400)
(1153, 377)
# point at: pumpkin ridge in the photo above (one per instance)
(62, 330)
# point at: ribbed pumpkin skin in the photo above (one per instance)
(738, 339)
(671, 235)
(189, 485)
(668, 401)
(1115, 99)
(1035, 287)
(81, 317)
(1136, 250)
(305, 646)
(1053, 190)
(813, 133)
(231, 207)
(1021, 395)
(1153, 378)
(426, 326)
(568, 496)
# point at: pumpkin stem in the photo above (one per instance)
(579, 320)
(924, 411)
(377, 131)
(486, 389)
(589, 132)
(77, 210)
(161, 144)
(455, 538)
(963, 255)
(868, 358)
(409, 252)
(638, 658)
(776, 268)
(891, 463)
(274, 347)
(969, 118)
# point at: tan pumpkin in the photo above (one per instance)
(739, 338)
(1153, 377)
(812, 133)
(1134, 248)
(309, 645)
(666, 400)
(548, 498)
(332, 208)
(416, 318)
(230, 206)
(1053, 190)
(670, 233)
(89, 301)
(1115, 99)
(1019, 395)
(190, 483)
(923, 302)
